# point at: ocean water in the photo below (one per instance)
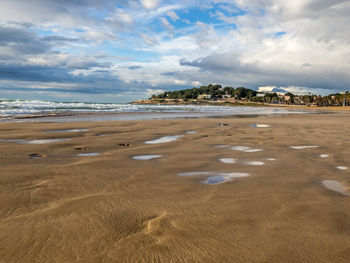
(16, 108)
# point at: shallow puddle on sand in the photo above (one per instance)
(191, 132)
(194, 173)
(335, 186)
(256, 125)
(324, 155)
(223, 178)
(245, 149)
(255, 163)
(87, 154)
(13, 140)
(343, 168)
(146, 157)
(164, 139)
(44, 141)
(71, 130)
(227, 160)
(304, 147)
(222, 146)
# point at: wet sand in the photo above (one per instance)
(60, 207)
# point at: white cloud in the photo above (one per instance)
(166, 24)
(150, 4)
(173, 16)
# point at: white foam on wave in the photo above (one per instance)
(245, 149)
(227, 160)
(270, 159)
(335, 186)
(324, 155)
(343, 168)
(304, 147)
(191, 132)
(146, 157)
(164, 139)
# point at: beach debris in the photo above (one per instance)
(37, 155)
(335, 186)
(256, 125)
(324, 155)
(87, 154)
(245, 149)
(79, 148)
(304, 147)
(164, 139)
(223, 124)
(146, 157)
(125, 144)
(227, 160)
(343, 168)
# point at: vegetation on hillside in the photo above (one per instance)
(214, 92)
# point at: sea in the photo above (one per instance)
(39, 110)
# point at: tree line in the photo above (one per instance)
(217, 92)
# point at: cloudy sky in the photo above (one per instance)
(120, 50)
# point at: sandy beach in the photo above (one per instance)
(276, 191)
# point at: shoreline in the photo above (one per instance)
(241, 104)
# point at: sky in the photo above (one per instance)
(119, 50)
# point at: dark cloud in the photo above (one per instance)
(59, 39)
(134, 67)
(22, 41)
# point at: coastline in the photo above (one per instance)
(240, 103)
(103, 205)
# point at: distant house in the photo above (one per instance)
(204, 96)
(260, 94)
(226, 96)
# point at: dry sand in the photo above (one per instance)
(56, 206)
